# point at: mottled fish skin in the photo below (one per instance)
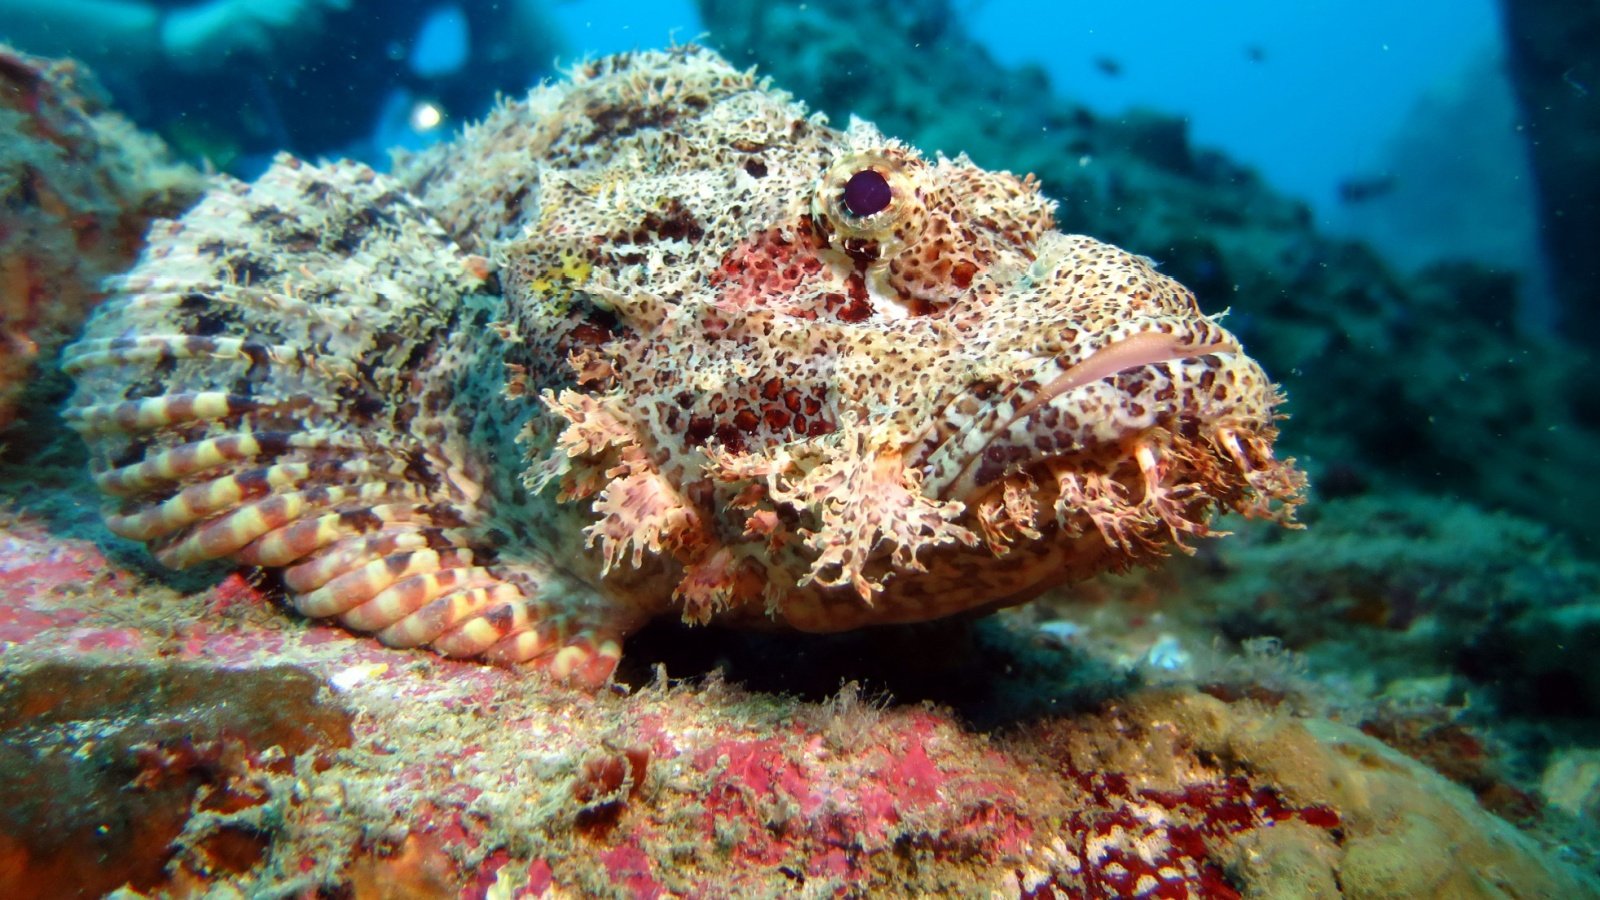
(654, 341)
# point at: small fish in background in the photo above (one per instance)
(1577, 86)
(1255, 53)
(1353, 191)
(1108, 67)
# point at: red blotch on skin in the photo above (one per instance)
(746, 420)
(784, 273)
(766, 269)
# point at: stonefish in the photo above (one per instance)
(655, 341)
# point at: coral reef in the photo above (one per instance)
(464, 778)
(78, 186)
(1395, 382)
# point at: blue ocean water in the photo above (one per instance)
(1309, 93)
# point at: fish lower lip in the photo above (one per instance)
(969, 442)
(1132, 352)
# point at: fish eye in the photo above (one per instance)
(867, 192)
(871, 201)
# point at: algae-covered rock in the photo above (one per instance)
(103, 767)
(1406, 831)
(78, 186)
(461, 777)
(1571, 782)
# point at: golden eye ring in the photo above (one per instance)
(868, 197)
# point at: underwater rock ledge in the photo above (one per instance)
(462, 778)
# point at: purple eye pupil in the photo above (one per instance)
(867, 192)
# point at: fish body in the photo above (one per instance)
(656, 341)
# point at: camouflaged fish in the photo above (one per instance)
(658, 342)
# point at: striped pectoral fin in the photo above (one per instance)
(450, 600)
(562, 632)
(388, 559)
(359, 541)
(280, 382)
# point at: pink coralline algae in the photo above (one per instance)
(456, 778)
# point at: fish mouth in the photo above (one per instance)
(1136, 351)
(977, 451)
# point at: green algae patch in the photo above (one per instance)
(107, 772)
